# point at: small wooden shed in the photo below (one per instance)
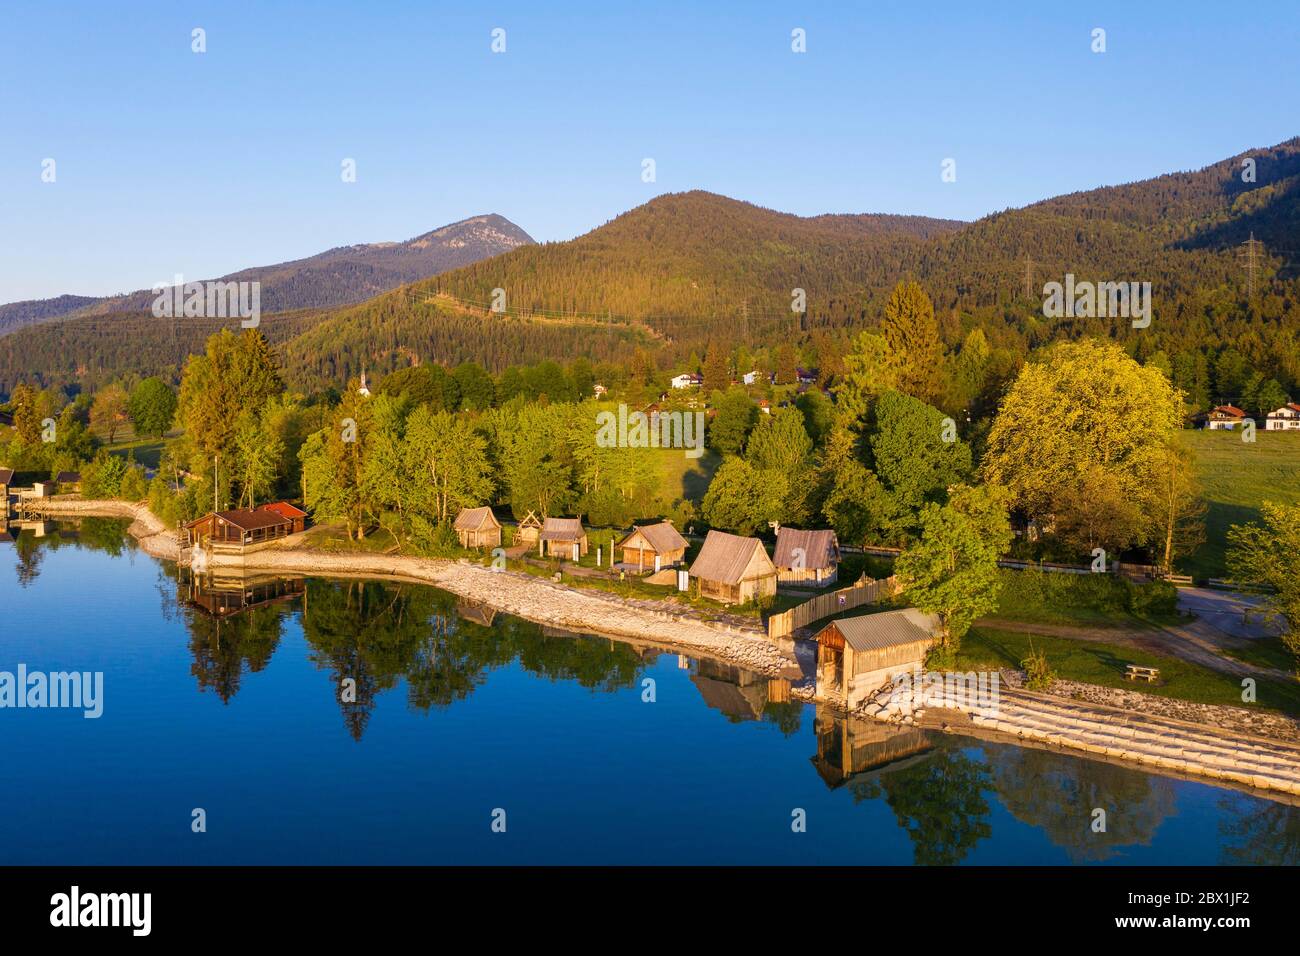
(806, 558)
(478, 528)
(560, 535)
(652, 546)
(68, 481)
(292, 513)
(529, 528)
(734, 570)
(6, 479)
(856, 656)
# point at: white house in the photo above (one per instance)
(688, 380)
(1285, 418)
(1220, 418)
(750, 378)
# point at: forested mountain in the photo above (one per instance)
(15, 315)
(340, 276)
(688, 269)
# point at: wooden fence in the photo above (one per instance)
(864, 591)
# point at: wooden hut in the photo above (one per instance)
(529, 528)
(44, 489)
(856, 656)
(560, 537)
(239, 528)
(734, 570)
(806, 558)
(292, 513)
(478, 528)
(68, 481)
(652, 546)
(6, 479)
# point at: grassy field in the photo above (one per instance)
(1084, 600)
(1094, 663)
(147, 451)
(1237, 478)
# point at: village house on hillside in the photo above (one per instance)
(687, 380)
(1221, 417)
(734, 570)
(1285, 418)
(239, 527)
(856, 656)
(652, 546)
(478, 528)
(564, 538)
(292, 513)
(806, 558)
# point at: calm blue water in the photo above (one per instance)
(455, 719)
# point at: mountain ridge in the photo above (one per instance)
(342, 275)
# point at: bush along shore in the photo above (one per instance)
(1213, 749)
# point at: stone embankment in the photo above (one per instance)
(1145, 738)
(154, 536)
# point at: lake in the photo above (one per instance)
(335, 722)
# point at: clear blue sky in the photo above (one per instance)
(170, 161)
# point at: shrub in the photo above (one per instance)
(1038, 673)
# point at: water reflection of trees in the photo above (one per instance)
(1058, 794)
(372, 636)
(32, 539)
(938, 799)
(1259, 832)
(225, 648)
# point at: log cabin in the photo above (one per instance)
(238, 528)
(295, 515)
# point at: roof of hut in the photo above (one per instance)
(472, 519)
(820, 548)
(874, 632)
(662, 537)
(724, 557)
(562, 529)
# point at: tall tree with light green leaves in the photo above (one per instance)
(1084, 408)
(952, 571)
(1267, 552)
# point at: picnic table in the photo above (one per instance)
(1138, 672)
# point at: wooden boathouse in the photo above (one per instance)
(237, 529)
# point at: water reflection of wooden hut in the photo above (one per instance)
(221, 596)
(738, 693)
(476, 611)
(848, 746)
